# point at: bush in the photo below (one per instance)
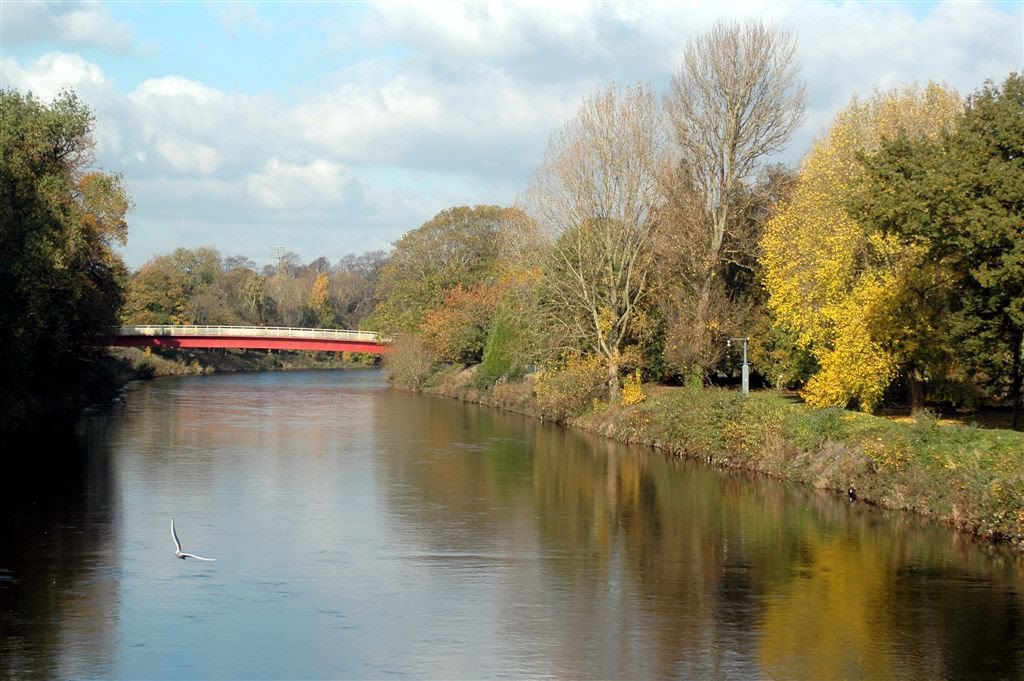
(409, 364)
(569, 390)
(632, 389)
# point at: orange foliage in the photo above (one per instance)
(457, 329)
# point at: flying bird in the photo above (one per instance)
(177, 547)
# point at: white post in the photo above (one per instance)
(746, 369)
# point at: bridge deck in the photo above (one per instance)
(249, 338)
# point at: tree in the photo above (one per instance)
(959, 199)
(178, 288)
(243, 290)
(457, 247)
(60, 277)
(595, 197)
(842, 288)
(735, 102)
(354, 281)
(320, 308)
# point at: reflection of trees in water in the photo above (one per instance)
(56, 555)
(902, 605)
(658, 567)
(454, 472)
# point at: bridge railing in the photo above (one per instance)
(250, 332)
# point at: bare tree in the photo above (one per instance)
(595, 198)
(735, 102)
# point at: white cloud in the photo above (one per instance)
(188, 157)
(179, 103)
(198, 128)
(91, 24)
(363, 121)
(46, 76)
(76, 24)
(856, 48)
(286, 185)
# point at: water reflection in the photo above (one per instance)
(59, 584)
(662, 568)
(362, 533)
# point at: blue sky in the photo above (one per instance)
(331, 128)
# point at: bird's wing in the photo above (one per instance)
(175, 535)
(192, 555)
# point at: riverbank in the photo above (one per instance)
(969, 477)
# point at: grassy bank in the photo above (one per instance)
(970, 477)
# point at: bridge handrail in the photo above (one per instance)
(250, 332)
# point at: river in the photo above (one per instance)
(361, 533)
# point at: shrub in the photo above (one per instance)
(408, 365)
(632, 389)
(569, 390)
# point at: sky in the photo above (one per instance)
(332, 128)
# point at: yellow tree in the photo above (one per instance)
(320, 301)
(857, 299)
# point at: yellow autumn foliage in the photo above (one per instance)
(832, 282)
(567, 389)
(633, 389)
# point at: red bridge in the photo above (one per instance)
(249, 338)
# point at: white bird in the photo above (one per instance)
(177, 547)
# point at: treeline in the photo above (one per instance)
(200, 286)
(888, 267)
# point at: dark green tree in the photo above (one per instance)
(60, 277)
(962, 198)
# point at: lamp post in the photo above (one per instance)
(746, 366)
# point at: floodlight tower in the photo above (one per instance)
(277, 252)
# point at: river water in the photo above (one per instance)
(369, 534)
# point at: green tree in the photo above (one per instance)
(960, 199)
(60, 277)
(516, 336)
(179, 288)
(457, 247)
(242, 289)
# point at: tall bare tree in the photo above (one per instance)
(595, 198)
(734, 103)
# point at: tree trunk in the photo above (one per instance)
(916, 385)
(614, 386)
